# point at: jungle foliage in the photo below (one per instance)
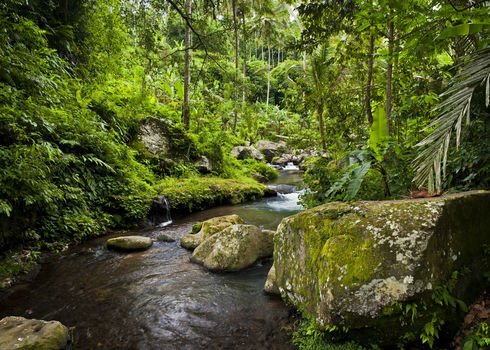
(358, 80)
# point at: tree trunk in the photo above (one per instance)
(268, 70)
(187, 68)
(235, 29)
(320, 123)
(244, 56)
(389, 76)
(369, 79)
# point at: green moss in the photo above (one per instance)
(350, 261)
(198, 193)
(196, 228)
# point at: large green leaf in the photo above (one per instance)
(464, 29)
(378, 135)
(356, 180)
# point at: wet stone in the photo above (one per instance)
(26, 334)
(129, 243)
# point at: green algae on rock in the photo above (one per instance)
(234, 248)
(345, 264)
(129, 243)
(29, 334)
(207, 229)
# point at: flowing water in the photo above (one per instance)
(157, 299)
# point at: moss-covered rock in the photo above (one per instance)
(234, 248)
(129, 243)
(207, 229)
(345, 264)
(23, 334)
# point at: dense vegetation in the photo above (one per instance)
(363, 81)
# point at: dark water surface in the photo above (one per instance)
(157, 299)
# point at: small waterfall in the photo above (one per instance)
(159, 214)
(290, 166)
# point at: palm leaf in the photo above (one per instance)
(450, 114)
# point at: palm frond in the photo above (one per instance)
(450, 114)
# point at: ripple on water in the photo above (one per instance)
(157, 299)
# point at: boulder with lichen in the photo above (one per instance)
(347, 264)
(206, 229)
(234, 248)
(26, 334)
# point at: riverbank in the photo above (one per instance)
(198, 193)
(175, 303)
(185, 195)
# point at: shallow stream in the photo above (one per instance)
(157, 299)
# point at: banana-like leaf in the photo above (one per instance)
(378, 135)
(464, 29)
(356, 180)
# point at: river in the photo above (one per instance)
(157, 299)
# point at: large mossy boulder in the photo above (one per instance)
(247, 152)
(129, 243)
(234, 248)
(271, 149)
(164, 145)
(20, 333)
(208, 228)
(350, 264)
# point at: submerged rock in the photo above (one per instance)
(234, 248)
(23, 334)
(270, 286)
(346, 264)
(129, 243)
(164, 238)
(207, 229)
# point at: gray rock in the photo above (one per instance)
(259, 178)
(203, 165)
(271, 149)
(129, 243)
(246, 152)
(234, 248)
(209, 228)
(152, 136)
(270, 286)
(283, 159)
(257, 155)
(164, 238)
(20, 333)
(345, 264)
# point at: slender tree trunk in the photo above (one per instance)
(268, 70)
(394, 88)
(244, 56)
(278, 56)
(369, 79)
(165, 25)
(235, 28)
(320, 123)
(389, 76)
(187, 68)
(143, 81)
